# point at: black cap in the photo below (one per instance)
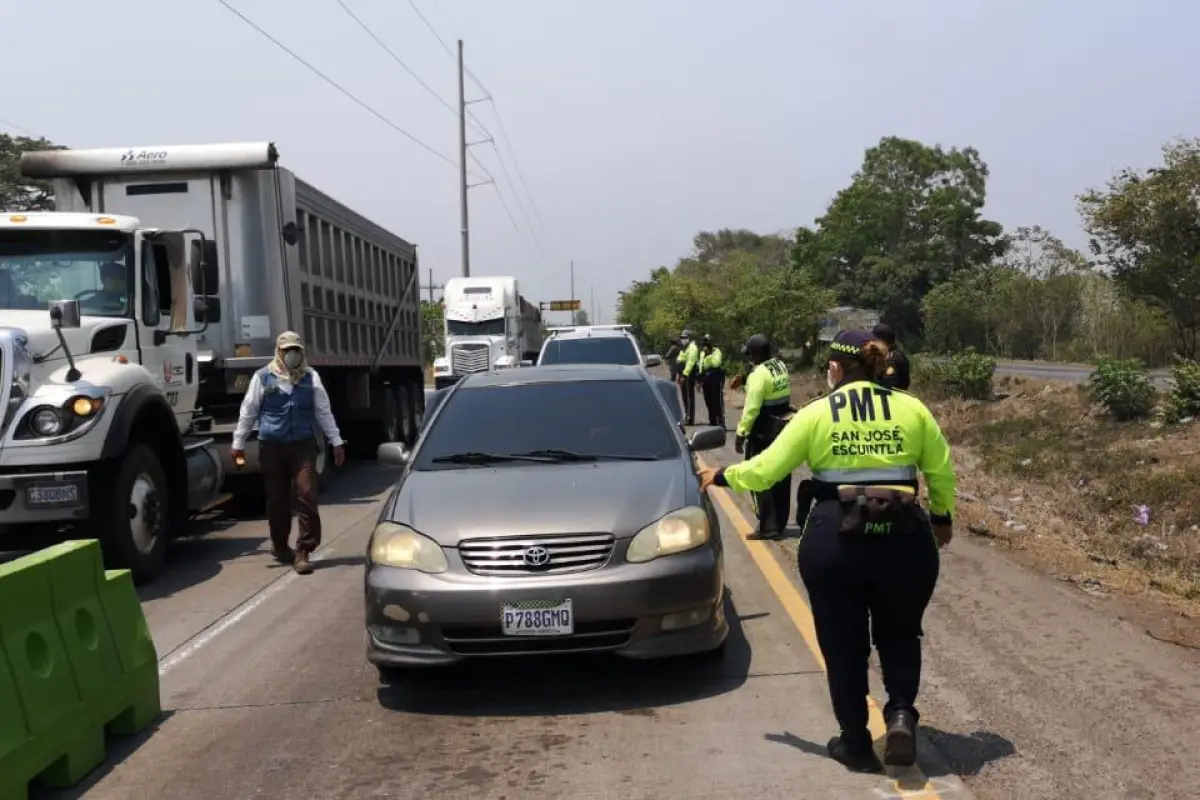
(849, 344)
(884, 332)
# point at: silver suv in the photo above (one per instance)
(594, 344)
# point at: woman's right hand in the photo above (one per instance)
(942, 534)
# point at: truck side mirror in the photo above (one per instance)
(206, 309)
(206, 272)
(64, 314)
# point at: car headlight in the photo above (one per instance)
(677, 532)
(395, 545)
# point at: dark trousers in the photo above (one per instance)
(865, 589)
(286, 464)
(773, 506)
(689, 398)
(713, 385)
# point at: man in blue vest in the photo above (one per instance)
(288, 401)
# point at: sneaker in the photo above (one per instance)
(303, 565)
(765, 535)
(284, 555)
(853, 758)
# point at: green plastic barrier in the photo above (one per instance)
(76, 660)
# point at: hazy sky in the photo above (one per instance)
(635, 124)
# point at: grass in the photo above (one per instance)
(1044, 472)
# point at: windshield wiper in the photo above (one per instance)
(484, 458)
(570, 455)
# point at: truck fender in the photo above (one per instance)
(132, 404)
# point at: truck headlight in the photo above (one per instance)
(47, 422)
(74, 414)
(395, 545)
(677, 532)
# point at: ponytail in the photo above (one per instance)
(874, 358)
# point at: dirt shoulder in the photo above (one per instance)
(1111, 508)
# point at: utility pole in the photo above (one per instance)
(572, 281)
(431, 286)
(594, 320)
(462, 165)
(463, 144)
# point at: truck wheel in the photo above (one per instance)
(133, 521)
(392, 420)
(404, 413)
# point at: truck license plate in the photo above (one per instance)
(52, 495)
(540, 619)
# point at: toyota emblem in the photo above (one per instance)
(537, 556)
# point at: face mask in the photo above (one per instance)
(292, 359)
(829, 378)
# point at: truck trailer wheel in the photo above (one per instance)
(134, 515)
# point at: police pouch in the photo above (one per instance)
(874, 510)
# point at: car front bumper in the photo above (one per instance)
(669, 607)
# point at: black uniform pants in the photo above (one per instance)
(864, 589)
(713, 384)
(773, 506)
(689, 398)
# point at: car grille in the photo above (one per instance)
(490, 641)
(469, 358)
(563, 554)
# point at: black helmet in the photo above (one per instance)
(707, 339)
(687, 334)
(758, 347)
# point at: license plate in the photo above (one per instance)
(52, 495)
(544, 619)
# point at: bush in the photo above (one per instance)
(1184, 400)
(1123, 388)
(967, 375)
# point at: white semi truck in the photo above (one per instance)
(488, 326)
(278, 255)
(98, 366)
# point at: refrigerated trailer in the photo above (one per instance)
(285, 256)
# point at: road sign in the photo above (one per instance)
(563, 305)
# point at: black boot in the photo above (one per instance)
(900, 741)
(859, 758)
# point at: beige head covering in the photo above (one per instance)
(288, 340)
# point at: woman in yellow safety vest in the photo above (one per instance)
(869, 553)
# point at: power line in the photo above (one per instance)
(379, 41)
(516, 163)
(362, 103)
(14, 126)
(446, 47)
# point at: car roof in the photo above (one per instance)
(592, 333)
(555, 373)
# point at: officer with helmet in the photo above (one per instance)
(869, 553)
(712, 381)
(689, 358)
(765, 412)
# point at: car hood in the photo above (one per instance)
(618, 497)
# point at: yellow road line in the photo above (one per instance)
(909, 782)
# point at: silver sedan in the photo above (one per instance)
(546, 510)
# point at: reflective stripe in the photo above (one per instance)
(866, 475)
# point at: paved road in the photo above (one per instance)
(268, 694)
(1033, 690)
(1068, 373)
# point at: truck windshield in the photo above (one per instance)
(488, 327)
(38, 267)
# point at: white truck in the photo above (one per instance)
(98, 370)
(488, 326)
(281, 256)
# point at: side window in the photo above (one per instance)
(150, 303)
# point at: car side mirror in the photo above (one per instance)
(206, 309)
(393, 453)
(709, 437)
(653, 361)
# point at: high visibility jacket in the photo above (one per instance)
(691, 357)
(711, 360)
(767, 386)
(859, 433)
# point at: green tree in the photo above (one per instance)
(18, 193)
(1145, 227)
(909, 220)
(433, 342)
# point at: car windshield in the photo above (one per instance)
(559, 422)
(39, 266)
(598, 350)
